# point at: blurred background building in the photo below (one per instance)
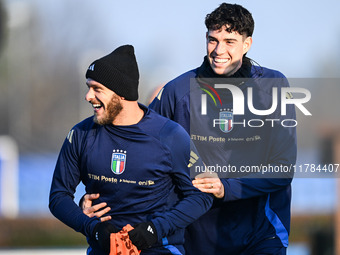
(46, 46)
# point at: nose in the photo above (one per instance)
(220, 49)
(89, 95)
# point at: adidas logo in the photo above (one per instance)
(91, 68)
(193, 158)
(150, 229)
(69, 136)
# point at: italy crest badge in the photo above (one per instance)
(118, 161)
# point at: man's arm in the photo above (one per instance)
(193, 203)
(283, 156)
(66, 178)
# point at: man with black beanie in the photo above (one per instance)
(134, 158)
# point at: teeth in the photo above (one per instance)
(221, 60)
(96, 105)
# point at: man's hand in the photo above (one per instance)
(143, 235)
(210, 185)
(101, 234)
(97, 210)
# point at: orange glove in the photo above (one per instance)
(121, 244)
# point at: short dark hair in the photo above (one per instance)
(234, 16)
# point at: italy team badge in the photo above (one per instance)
(226, 121)
(118, 161)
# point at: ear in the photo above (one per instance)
(247, 44)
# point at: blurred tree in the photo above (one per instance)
(39, 81)
(42, 74)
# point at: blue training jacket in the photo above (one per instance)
(136, 170)
(253, 209)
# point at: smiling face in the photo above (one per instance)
(105, 102)
(225, 50)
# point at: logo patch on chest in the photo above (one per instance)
(118, 161)
(225, 121)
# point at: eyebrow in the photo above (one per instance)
(225, 39)
(230, 39)
(92, 85)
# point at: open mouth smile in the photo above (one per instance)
(97, 107)
(220, 60)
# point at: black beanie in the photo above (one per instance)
(117, 71)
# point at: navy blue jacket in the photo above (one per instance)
(253, 209)
(136, 170)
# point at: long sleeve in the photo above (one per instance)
(193, 203)
(66, 178)
(281, 150)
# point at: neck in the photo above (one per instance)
(131, 114)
